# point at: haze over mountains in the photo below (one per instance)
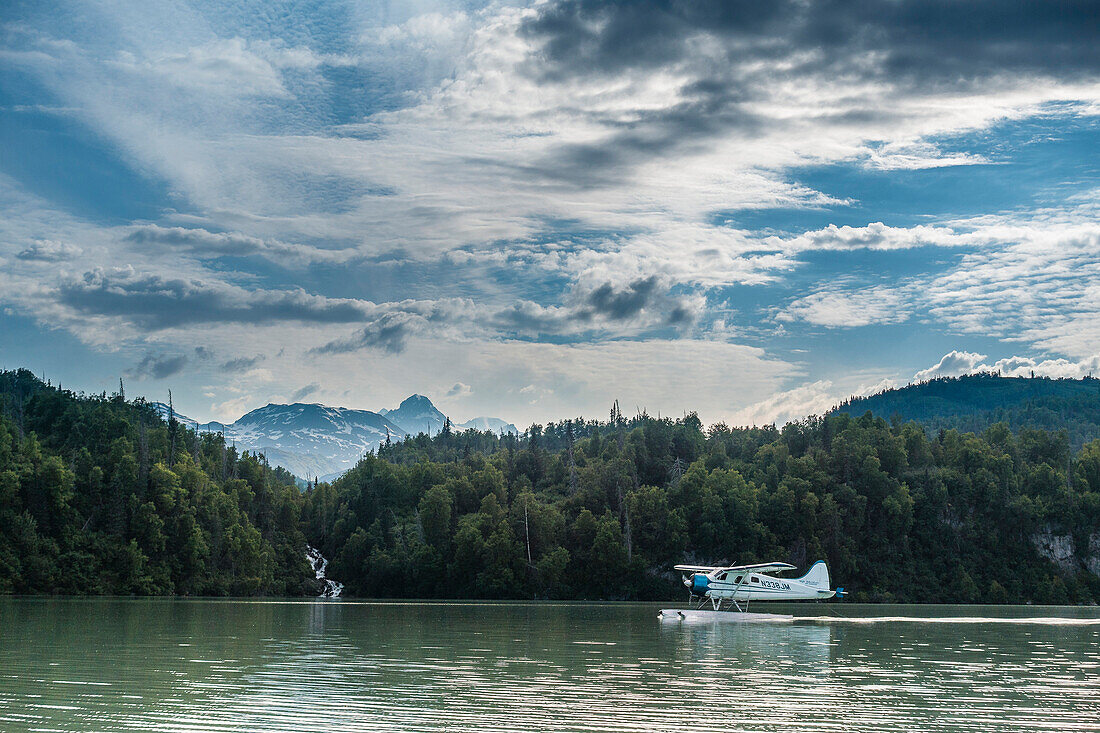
(313, 440)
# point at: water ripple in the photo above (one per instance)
(131, 665)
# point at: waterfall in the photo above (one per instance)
(319, 564)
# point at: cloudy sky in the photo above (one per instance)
(749, 209)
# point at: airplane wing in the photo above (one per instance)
(762, 567)
(698, 568)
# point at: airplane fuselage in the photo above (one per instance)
(756, 587)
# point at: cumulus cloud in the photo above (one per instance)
(197, 240)
(48, 250)
(815, 398)
(624, 303)
(958, 363)
(460, 390)
(952, 364)
(873, 236)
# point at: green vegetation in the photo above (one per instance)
(98, 495)
(973, 403)
(102, 496)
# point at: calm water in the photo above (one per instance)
(114, 665)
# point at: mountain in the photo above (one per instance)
(416, 415)
(309, 439)
(974, 402)
(490, 424)
(165, 412)
(312, 440)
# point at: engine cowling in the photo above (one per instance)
(700, 583)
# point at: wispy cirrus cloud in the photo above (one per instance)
(848, 308)
(1030, 277)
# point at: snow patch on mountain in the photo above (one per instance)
(314, 440)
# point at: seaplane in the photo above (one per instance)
(727, 587)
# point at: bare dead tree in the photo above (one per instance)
(171, 430)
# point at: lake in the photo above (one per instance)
(222, 665)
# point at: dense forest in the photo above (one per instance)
(974, 402)
(99, 495)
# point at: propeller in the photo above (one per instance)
(697, 583)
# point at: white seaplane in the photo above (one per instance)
(738, 584)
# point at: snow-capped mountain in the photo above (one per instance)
(415, 415)
(165, 412)
(311, 439)
(314, 440)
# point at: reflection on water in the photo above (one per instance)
(125, 665)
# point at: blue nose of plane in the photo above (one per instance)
(699, 584)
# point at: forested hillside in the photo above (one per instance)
(974, 402)
(97, 495)
(580, 510)
(100, 495)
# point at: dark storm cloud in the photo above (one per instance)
(608, 37)
(158, 367)
(156, 302)
(921, 41)
(906, 46)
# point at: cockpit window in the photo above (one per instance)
(738, 579)
(755, 579)
(720, 576)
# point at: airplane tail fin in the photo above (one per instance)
(817, 576)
